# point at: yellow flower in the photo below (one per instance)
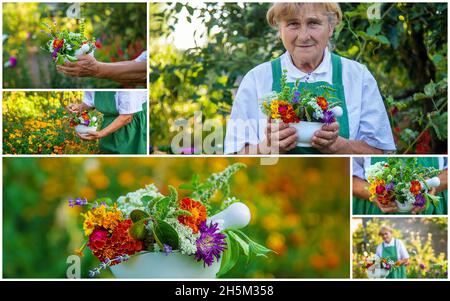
(101, 216)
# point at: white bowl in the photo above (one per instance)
(377, 273)
(160, 265)
(404, 207)
(305, 132)
(84, 129)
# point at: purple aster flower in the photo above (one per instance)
(387, 266)
(422, 266)
(296, 97)
(328, 117)
(77, 202)
(167, 249)
(12, 61)
(86, 122)
(55, 52)
(420, 200)
(210, 244)
(390, 186)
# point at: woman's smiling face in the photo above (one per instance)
(386, 236)
(305, 36)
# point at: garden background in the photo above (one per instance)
(405, 50)
(119, 28)
(38, 123)
(292, 213)
(425, 240)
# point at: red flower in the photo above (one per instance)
(380, 189)
(119, 242)
(58, 43)
(415, 187)
(322, 102)
(98, 44)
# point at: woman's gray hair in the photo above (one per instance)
(385, 228)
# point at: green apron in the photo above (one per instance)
(129, 139)
(361, 206)
(316, 88)
(391, 253)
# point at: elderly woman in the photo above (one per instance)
(361, 195)
(305, 30)
(124, 125)
(394, 249)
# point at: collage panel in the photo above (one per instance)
(75, 122)
(400, 185)
(257, 78)
(83, 45)
(175, 218)
(400, 247)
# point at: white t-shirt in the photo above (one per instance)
(402, 253)
(127, 102)
(360, 165)
(142, 57)
(368, 120)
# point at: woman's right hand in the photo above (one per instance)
(75, 108)
(280, 138)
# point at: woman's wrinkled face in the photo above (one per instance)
(386, 236)
(305, 36)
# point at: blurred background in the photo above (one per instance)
(119, 28)
(300, 209)
(425, 240)
(38, 123)
(200, 52)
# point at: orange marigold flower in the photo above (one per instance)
(58, 43)
(322, 102)
(197, 210)
(415, 187)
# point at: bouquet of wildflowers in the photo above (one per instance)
(86, 118)
(378, 267)
(293, 106)
(66, 46)
(148, 221)
(403, 181)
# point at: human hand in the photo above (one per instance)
(417, 210)
(325, 140)
(75, 108)
(390, 207)
(91, 135)
(280, 138)
(85, 66)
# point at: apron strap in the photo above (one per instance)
(337, 69)
(276, 74)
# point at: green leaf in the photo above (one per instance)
(60, 59)
(383, 40)
(244, 246)
(229, 257)
(147, 198)
(430, 89)
(173, 194)
(419, 96)
(374, 29)
(257, 249)
(71, 58)
(182, 213)
(136, 215)
(138, 230)
(165, 234)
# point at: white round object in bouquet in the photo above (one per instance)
(433, 182)
(84, 129)
(337, 111)
(235, 216)
(161, 265)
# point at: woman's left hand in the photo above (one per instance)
(325, 139)
(91, 135)
(86, 65)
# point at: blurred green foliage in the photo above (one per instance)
(406, 51)
(292, 213)
(421, 236)
(120, 28)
